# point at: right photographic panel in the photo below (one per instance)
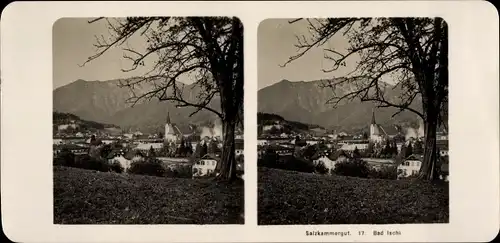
(353, 121)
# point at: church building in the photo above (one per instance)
(172, 132)
(377, 133)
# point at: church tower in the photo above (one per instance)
(170, 135)
(373, 124)
(375, 133)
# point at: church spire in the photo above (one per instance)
(373, 116)
(168, 117)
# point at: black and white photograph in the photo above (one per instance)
(353, 121)
(148, 120)
(250, 121)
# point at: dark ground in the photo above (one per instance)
(90, 197)
(287, 197)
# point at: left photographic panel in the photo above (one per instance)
(148, 120)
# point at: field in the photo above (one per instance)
(90, 197)
(287, 197)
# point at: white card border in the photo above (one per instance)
(26, 172)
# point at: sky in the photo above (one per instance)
(73, 40)
(276, 40)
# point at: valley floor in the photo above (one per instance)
(90, 197)
(287, 197)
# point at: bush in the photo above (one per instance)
(386, 172)
(81, 161)
(296, 164)
(353, 167)
(183, 171)
(91, 163)
(151, 167)
(115, 166)
(65, 158)
(269, 159)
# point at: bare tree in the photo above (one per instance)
(206, 50)
(413, 52)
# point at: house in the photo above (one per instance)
(284, 135)
(118, 157)
(146, 147)
(57, 141)
(135, 155)
(128, 135)
(312, 141)
(205, 166)
(329, 164)
(410, 166)
(378, 164)
(262, 142)
(350, 147)
(66, 126)
(72, 140)
(173, 163)
(269, 127)
(109, 141)
(339, 157)
(75, 149)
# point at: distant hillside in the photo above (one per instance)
(307, 102)
(267, 119)
(106, 102)
(59, 118)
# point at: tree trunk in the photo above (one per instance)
(227, 165)
(428, 170)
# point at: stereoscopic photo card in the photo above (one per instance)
(234, 122)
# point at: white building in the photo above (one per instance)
(108, 141)
(262, 142)
(135, 156)
(269, 127)
(377, 163)
(66, 126)
(349, 147)
(312, 142)
(329, 164)
(377, 133)
(172, 132)
(124, 162)
(173, 163)
(128, 135)
(410, 167)
(147, 146)
(205, 166)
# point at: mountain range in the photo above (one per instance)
(307, 102)
(108, 102)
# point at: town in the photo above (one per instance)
(390, 152)
(186, 153)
